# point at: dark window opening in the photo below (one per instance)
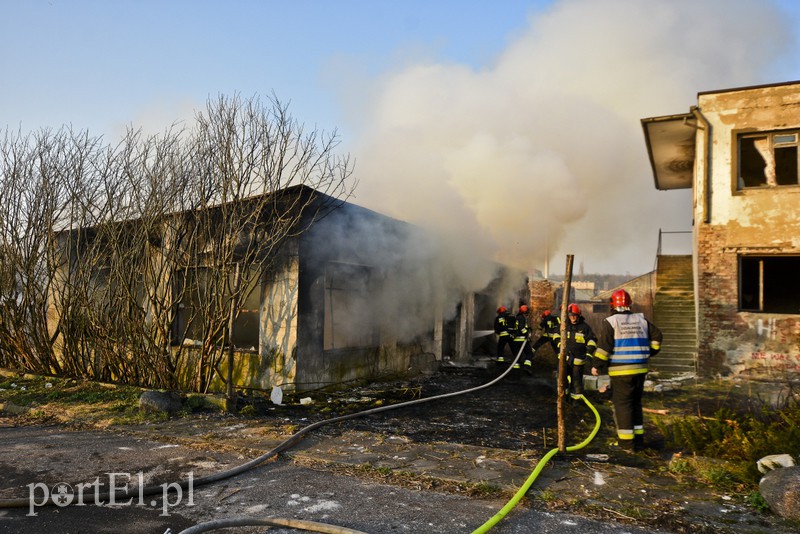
(769, 284)
(194, 292)
(767, 160)
(246, 325)
(348, 311)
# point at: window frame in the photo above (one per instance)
(249, 341)
(745, 155)
(764, 283)
(348, 296)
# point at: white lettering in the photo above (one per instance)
(165, 505)
(32, 497)
(112, 489)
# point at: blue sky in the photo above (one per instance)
(511, 126)
(102, 64)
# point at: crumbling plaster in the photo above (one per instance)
(755, 221)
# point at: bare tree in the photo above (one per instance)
(35, 203)
(250, 156)
(133, 262)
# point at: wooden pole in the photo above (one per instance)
(231, 400)
(562, 370)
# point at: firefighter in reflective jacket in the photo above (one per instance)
(550, 327)
(521, 337)
(502, 324)
(625, 342)
(580, 343)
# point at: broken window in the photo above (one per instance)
(348, 311)
(769, 284)
(768, 159)
(246, 324)
(194, 292)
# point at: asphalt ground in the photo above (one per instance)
(399, 471)
(36, 461)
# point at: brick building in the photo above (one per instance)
(737, 149)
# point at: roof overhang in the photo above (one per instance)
(671, 146)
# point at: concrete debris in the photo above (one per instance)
(774, 461)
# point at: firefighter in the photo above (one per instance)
(580, 343)
(625, 343)
(521, 337)
(502, 325)
(550, 328)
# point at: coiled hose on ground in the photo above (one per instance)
(294, 438)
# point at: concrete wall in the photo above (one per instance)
(732, 222)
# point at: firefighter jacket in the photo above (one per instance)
(625, 343)
(550, 327)
(502, 324)
(580, 341)
(521, 330)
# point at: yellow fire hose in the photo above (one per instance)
(539, 466)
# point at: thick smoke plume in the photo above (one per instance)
(541, 154)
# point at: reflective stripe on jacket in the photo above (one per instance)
(502, 324)
(521, 330)
(580, 341)
(626, 341)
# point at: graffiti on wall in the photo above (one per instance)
(766, 328)
(775, 361)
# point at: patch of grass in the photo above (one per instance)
(485, 490)
(757, 502)
(631, 511)
(680, 466)
(547, 495)
(738, 438)
(719, 477)
(52, 399)
(44, 390)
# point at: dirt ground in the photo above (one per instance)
(518, 416)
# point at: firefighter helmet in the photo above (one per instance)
(524, 309)
(502, 309)
(573, 309)
(545, 313)
(620, 299)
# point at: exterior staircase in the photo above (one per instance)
(674, 314)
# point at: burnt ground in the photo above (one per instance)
(519, 413)
(508, 415)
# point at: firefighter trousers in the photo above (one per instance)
(527, 353)
(573, 378)
(502, 342)
(626, 396)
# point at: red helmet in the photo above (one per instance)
(573, 309)
(545, 313)
(502, 309)
(621, 299)
(524, 309)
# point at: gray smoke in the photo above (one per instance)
(541, 153)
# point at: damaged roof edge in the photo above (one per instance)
(670, 147)
(748, 87)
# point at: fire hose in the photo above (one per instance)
(294, 438)
(534, 475)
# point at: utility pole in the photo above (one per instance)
(562, 370)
